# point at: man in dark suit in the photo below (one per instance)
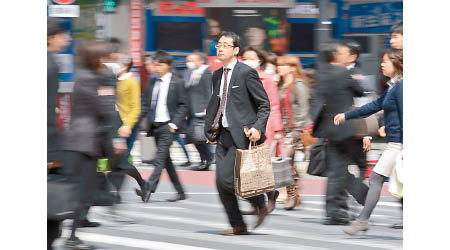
(198, 89)
(238, 101)
(332, 95)
(164, 104)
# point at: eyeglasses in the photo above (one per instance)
(217, 46)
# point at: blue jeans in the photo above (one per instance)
(131, 139)
(182, 143)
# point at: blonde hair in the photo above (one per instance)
(294, 61)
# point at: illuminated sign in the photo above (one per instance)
(177, 7)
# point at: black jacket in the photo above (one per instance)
(332, 95)
(199, 93)
(93, 113)
(176, 101)
(247, 104)
(53, 140)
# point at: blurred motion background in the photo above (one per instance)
(294, 27)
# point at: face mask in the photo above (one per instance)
(252, 63)
(190, 65)
(114, 67)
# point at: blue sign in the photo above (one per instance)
(374, 17)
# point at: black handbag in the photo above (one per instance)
(317, 159)
(196, 131)
(62, 197)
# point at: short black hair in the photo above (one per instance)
(201, 56)
(354, 47)
(55, 26)
(397, 28)
(162, 56)
(232, 35)
(328, 50)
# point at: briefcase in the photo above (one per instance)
(196, 131)
(253, 173)
(62, 197)
(317, 159)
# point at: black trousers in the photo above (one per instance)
(164, 139)
(356, 156)
(84, 167)
(340, 180)
(225, 158)
(204, 151)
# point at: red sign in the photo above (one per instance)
(64, 1)
(64, 112)
(176, 7)
(136, 36)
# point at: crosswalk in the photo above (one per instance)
(195, 223)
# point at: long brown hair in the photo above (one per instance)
(294, 61)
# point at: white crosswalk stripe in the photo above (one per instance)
(196, 223)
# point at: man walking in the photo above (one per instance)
(238, 101)
(332, 95)
(198, 89)
(164, 105)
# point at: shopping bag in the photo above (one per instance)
(103, 164)
(396, 179)
(282, 171)
(317, 160)
(148, 148)
(253, 173)
(281, 165)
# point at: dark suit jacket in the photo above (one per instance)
(176, 101)
(247, 104)
(199, 93)
(93, 116)
(53, 142)
(332, 95)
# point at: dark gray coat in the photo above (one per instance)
(332, 95)
(53, 139)
(94, 116)
(199, 93)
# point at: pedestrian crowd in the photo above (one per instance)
(261, 98)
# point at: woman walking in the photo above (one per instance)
(391, 102)
(293, 90)
(256, 59)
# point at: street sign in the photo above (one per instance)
(64, 10)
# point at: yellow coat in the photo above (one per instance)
(129, 101)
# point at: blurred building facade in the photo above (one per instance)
(181, 27)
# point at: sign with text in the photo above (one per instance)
(183, 8)
(64, 10)
(136, 29)
(374, 17)
(246, 3)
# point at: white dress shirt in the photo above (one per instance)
(162, 112)
(195, 75)
(230, 72)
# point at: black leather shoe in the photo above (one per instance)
(177, 197)
(186, 164)
(77, 244)
(86, 223)
(333, 221)
(144, 193)
(148, 162)
(262, 213)
(201, 167)
(397, 226)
